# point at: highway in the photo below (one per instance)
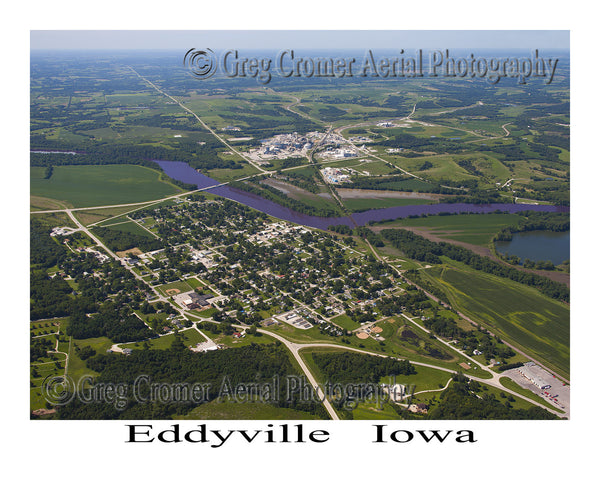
(294, 348)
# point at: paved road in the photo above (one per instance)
(221, 139)
(296, 347)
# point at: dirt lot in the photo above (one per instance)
(124, 253)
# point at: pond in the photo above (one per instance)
(538, 246)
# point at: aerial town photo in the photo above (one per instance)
(292, 233)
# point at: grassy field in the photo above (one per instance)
(95, 185)
(190, 337)
(130, 227)
(228, 174)
(366, 411)
(474, 229)
(87, 217)
(232, 342)
(518, 313)
(346, 322)
(362, 204)
(228, 410)
(181, 286)
(424, 380)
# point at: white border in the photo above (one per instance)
(96, 449)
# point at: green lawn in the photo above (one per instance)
(346, 322)
(194, 282)
(93, 185)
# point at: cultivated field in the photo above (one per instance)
(519, 314)
(94, 185)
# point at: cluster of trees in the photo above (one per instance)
(311, 184)
(557, 193)
(369, 235)
(556, 140)
(392, 305)
(341, 229)
(419, 248)
(44, 250)
(39, 348)
(276, 120)
(203, 157)
(413, 275)
(491, 347)
(271, 193)
(118, 240)
(50, 297)
(426, 165)
(510, 366)
(112, 320)
(466, 400)
(467, 164)
(422, 346)
(448, 187)
(350, 367)
(255, 364)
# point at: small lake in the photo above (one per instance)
(183, 172)
(538, 245)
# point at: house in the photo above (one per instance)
(418, 408)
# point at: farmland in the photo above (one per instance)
(519, 313)
(95, 185)
(308, 158)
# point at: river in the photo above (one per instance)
(183, 172)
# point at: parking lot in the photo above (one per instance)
(557, 394)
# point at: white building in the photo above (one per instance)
(528, 372)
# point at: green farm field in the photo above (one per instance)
(519, 314)
(474, 229)
(362, 204)
(95, 185)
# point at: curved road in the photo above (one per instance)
(294, 348)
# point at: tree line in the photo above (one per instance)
(419, 248)
(252, 364)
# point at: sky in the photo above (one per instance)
(331, 39)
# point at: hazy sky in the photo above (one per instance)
(278, 39)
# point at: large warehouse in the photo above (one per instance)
(528, 372)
